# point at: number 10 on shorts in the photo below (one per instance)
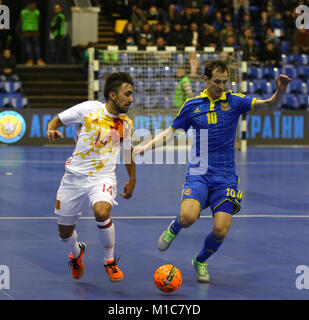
(107, 189)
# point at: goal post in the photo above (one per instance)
(156, 74)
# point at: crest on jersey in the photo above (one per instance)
(188, 191)
(225, 106)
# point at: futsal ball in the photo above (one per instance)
(167, 278)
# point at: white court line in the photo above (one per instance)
(167, 217)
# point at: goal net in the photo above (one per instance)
(156, 75)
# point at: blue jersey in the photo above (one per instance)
(214, 124)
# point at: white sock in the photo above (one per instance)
(107, 238)
(71, 244)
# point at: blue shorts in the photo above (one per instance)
(213, 191)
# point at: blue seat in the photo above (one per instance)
(272, 73)
(20, 102)
(256, 72)
(290, 101)
(287, 58)
(252, 87)
(303, 101)
(290, 71)
(302, 59)
(268, 87)
(296, 86)
(11, 87)
(285, 46)
(303, 72)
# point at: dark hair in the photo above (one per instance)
(222, 66)
(114, 81)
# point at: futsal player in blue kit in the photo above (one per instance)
(211, 179)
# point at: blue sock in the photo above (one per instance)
(211, 245)
(176, 227)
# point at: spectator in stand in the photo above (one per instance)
(138, 18)
(147, 33)
(241, 7)
(173, 16)
(277, 23)
(246, 23)
(300, 42)
(128, 36)
(226, 32)
(160, 43)
(176, 36)
(142, 43)
(228, 20)
(218, 22)
(244, 36)
(186, 18)
(289, 20)
(30, 24)
(205, 17)
(271, 55)
(210, 37)
(159, 31)
(231, 42)
(58, 35)
(251, 52)
(263, 25)
(8, 67)
(194, 36)
(224, 6)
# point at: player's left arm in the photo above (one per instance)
(130, 166)
(273, 102)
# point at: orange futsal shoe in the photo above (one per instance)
(114, 273)
(77, 264)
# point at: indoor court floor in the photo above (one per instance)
(268, 239)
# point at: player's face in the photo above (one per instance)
(216, 85)
(123, 98)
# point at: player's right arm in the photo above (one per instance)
(52, 129)
(160, 140)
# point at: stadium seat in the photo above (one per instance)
(268, 87)
(285, 45)
(290, 71)
(290, 101)
(287, 58)
(302, 59)
(272, 73)
(11, 87)
(303, 72)
(303, 101)
(296, 86)
(256, 72)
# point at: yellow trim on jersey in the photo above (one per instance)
(252, 104)
(235, 203)
(178, 131)
(239, 95)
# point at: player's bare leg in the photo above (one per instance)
(68, 236)
(189, 213)
(102, 210)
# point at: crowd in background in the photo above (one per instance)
(262, 29)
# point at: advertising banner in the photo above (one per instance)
(28, 126)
